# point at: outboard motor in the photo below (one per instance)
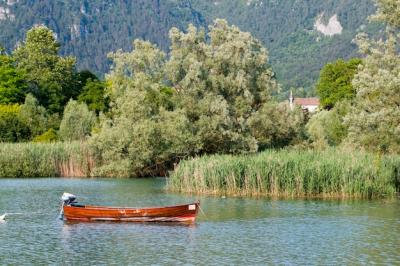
(67, 199)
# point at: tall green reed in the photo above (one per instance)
(70, 159)
(290, 173)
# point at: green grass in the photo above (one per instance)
(295, 173)
(70, 159)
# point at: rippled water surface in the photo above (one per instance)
(231, 230)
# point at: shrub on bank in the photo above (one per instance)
(284, 173)
(48, 136)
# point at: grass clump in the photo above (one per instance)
(69, 159)
(290, 173)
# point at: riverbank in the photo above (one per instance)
(275, 173)
(70, 159)
(290, 173)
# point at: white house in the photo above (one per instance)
(309, 104)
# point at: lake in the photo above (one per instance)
(230, 231)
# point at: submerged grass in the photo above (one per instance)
(290, 173)
(69, 159)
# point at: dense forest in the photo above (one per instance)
(90, 29)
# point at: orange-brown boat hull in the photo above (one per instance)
(183, 213)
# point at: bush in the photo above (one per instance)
(77, 122)
(34, 115)
(327, 128)
(275, 125)
(48, 136)
(12, 128)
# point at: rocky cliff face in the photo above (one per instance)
(333, 26)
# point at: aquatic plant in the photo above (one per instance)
(69, 159)
(290, 173)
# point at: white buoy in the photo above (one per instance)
(3, 217)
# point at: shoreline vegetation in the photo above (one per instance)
(60, 159)
(211, 97)
(284, 173)
(290, 174)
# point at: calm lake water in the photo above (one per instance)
(231, 230)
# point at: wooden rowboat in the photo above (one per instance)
(71, 211)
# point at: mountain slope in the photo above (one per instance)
(89, 29)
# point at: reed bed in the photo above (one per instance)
(290, 173)
(67, 159)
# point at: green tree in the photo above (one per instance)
(147, 133)
(94, 95)
(12, 84)
(34, 115)
(220, 83)
(374, 121)
(51, 77)
(327, 128)
(199, 100)
(334, 83)
(12, 129)
(276, 125)
(388, 12)
(77, 122)
(146, 61)
(84, 76)
(141, 140)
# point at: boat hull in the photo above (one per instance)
(182, 213)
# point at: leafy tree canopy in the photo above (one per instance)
(77, 122)
(388, 12)
(335, 82)
(276, 125)
(220, 83)
(51, 76)
(12, 83)
(34, 115)
(94, 95)
(12, 128)
(374, 121)
(327, 128)
(201, 99)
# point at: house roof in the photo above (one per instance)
(306, 101)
